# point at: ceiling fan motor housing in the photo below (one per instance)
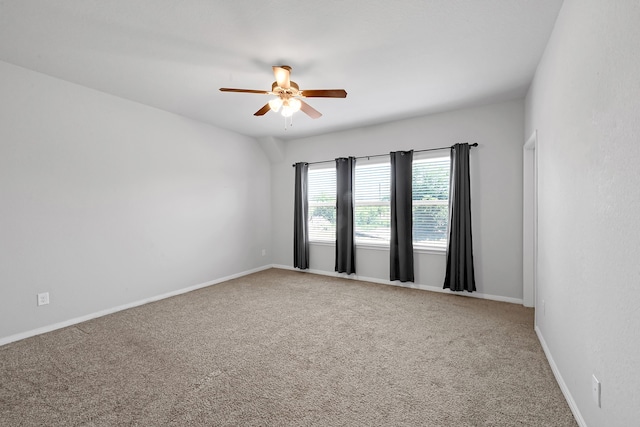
(293, 90)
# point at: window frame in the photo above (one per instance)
(432, 155)
(372, 162)
(314, 204)
(360, 243)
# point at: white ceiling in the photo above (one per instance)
(396, 59)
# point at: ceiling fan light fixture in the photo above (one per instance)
(275, 104)
(287, 111)
(295, 104)
(290, 106)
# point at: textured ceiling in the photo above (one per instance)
(396, 59)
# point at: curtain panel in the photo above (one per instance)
(460, 274)
(401, 250)
(300, 215)
(345, 232)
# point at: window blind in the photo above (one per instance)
(430, 182)
(322, 204)
(372, 215)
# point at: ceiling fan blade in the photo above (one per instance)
(263, 110)
(283, 75)
(309, 110)
(226, 89)
(324, 93)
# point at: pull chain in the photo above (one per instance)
(290, 121)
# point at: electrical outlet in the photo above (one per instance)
(43, 298)
(595, 390)
(544, 307)
(264, 252)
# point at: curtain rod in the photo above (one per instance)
(475, 144)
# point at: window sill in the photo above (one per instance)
(372, 246)
(433, 250)
(358, 245)
(416, 249)
(322, 242)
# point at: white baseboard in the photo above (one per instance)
(404, 285)
(563, 386)
(76, 320)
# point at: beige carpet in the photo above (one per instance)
(282, 348)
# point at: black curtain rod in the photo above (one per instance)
(475, 144)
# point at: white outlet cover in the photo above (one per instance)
(43, 298)
(595, 389)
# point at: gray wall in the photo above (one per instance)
(104, 202)
(585, 104)
(496, 167)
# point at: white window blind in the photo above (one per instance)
(322, 204)
(430, 182)
(372, 213)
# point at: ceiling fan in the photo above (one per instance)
(288, 95)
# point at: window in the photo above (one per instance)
(430, 183)
(322, 204)
(372, 208)
(372, 194)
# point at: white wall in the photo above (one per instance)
(104, 202)
(585, 104)
(496, 175)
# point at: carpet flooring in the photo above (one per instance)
(284, 348)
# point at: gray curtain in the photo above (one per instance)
(300, 215)
(460, 275)
(345, 245)
(401, 217)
